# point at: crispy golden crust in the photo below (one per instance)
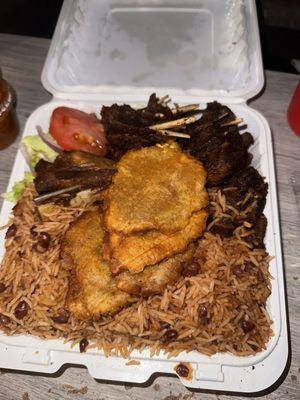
(155, 278)
(155, 188)
(92, 289)
(136, 251)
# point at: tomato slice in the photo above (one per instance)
(76, 130)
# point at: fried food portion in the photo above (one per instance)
(72, 168)
(135, 252)
(155, 188)
(92, 289)
(155, 278)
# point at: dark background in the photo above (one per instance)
(279, 22)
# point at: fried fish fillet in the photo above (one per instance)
(92, 289)
(138, 250)
(155, 188)
(155, 278)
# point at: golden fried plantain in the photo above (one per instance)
(136, 251)
(92, 289)
(155, 278)
(155, 188)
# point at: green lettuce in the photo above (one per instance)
(37, 149)
(18, 188)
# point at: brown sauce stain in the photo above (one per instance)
(184, 370)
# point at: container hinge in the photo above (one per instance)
(209, 372)
(36, 356)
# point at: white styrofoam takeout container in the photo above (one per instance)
(196, 51)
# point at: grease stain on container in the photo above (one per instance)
(184, 370)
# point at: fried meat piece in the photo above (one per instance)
(127, 128)
(158, 187)
(73, 168)
(92, 289)
(245, 182)
(69, 162)
(220, 147)
(246, 192)
(155, 278)
(138, 250)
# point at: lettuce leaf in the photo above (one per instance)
(18, 188)
(37, 149)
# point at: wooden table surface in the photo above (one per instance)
(21, 59)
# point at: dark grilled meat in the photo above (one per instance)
(247, 182)
(222, 149)
(246, 192)
(73, 168)
(127, 128)
(260, 227)
(214, 114)
(223, 161)
(247, 139)
(78, 160)
(45, 180)
(224, 227)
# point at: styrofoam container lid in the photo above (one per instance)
(179, 47)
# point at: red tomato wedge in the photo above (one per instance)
(76, 130)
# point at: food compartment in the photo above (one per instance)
(260, 150)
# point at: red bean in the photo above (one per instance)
(260, 276)
(202, 311)
(44, 240)
(61, 318)
(248, 326)
(21, 310)
(169, 335)
(182, 370)
(238, 271)
(191, 269)
(2, 287)
(83, 345)
(11, 231)
(4, 320)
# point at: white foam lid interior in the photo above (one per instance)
(180, 47)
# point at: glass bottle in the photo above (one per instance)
(9, 127)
